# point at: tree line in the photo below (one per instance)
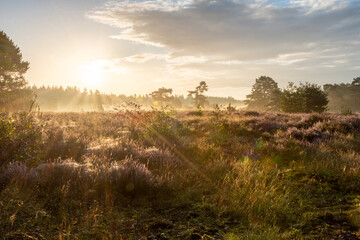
(343, 96)
(304, 98)
(265, 94)
(16, 95)
(58, 98)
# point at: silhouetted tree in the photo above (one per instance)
(264, 95)
(198, 94)
(162, 95)
(356, 82)
(315, 98)
(291, 100)
(13, 95)
(304, 98)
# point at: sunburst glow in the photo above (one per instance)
(91, 75)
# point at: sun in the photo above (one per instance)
(91, 75)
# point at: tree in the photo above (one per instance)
(162, 95)
(344, 95)
(198, 94)
(264, 95)
(305, 98)
(315, 98)
(291, 100)
(356, 82)
(13, 94)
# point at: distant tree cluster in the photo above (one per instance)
(74, 99)
(344, 96)
(196, 98)
(304, 98)
(267, 96)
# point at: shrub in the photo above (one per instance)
(163, 127)
(20, 139)
(345, 111)
(311, 135)
(56, 145)
(131, 177)
(153, 157)
(309, 120)
(19, 174)
(126, 177)
(251, 113)
(266, 125)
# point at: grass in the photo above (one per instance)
(180, 175)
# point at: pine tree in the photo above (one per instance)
(198, 94)
(264, 95)
(13, 94)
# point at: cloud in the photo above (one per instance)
(144, 57)
(238, 40)
(233, 30)
(320, 5)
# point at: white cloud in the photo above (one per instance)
(144, 57)
(231, 30)
(238, 40)
(321, 5)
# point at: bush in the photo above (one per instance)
(304, 98)
(345, 111)
(163, 127)
(57, 145)
(20, 139)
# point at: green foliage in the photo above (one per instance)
(345, 111)
(315, 98)
(162, 96)
(264, 95)
(292, 101)
(20, 139)
(244, 175)
(219, 131)
(304, 98)
(163, 127)
(199, 110)
(198, 94)
(13, 94)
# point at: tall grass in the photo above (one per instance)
(222, 175)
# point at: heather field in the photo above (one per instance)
(165, 174)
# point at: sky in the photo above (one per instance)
(129, 47)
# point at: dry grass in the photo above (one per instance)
(157, 175)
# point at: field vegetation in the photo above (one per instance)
(162, 174)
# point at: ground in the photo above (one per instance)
(163, 174)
